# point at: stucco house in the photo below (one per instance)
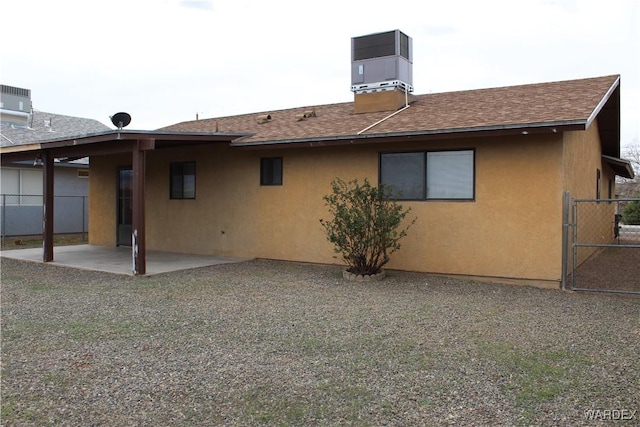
(484, 171)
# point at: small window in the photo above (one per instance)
(598, 183)
(433, 175)
(83, 173)
(271, 171)
(183, 180)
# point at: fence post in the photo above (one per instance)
(4, 215)
(83, 227)
(574, 240)
(565, 240)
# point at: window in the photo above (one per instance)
(431, 175)
(271, 171)
(598, 183)
(183, 180)
(10, 182)
(31, 183)
(21, 186)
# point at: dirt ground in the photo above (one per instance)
(613, 269)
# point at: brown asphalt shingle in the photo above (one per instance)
(513, 106)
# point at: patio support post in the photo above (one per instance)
(47, 206)
(138, 237)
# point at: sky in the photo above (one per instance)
(169, 61)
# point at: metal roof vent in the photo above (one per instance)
(382, 61)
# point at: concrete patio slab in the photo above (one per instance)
(117, 259)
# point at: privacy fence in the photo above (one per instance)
(604, 249)
(22, 215)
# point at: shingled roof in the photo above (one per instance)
(562, 105)
(48, 126)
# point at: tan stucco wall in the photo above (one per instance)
(511, 230)
(233, 215)
(582, 157)
(102, 198)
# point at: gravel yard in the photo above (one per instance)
(276, 343)
(616, 268)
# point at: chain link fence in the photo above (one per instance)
(605, 248)
(22, 215)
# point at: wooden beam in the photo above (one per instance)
(47, 206)
(146, 144)
(138, 238)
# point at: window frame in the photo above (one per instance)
(425, 153)
(182, 174)
(268, 161)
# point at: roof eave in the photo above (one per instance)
(20, 148)
(137, 134)
(603, 101)
(102, 143)
(477, 131)
(621, 167)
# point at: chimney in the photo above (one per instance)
(382, 71)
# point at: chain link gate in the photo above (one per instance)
(605, 253)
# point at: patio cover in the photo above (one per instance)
(137, 143)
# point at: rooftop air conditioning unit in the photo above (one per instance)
(15, 98)
(381, 61)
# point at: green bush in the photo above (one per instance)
(365, 228)
(631, 213)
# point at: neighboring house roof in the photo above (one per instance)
(48, 126)
(564, 105)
